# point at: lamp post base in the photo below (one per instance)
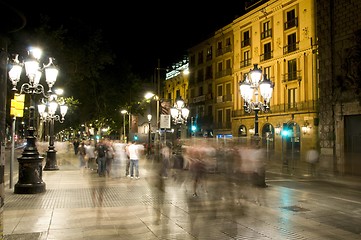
(51, 163)
(259, 174)
(30, 174)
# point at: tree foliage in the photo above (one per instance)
(96, 83)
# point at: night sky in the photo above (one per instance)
(141, 32)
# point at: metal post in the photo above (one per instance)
(124, 137)
(51, 163)
(148, 138)
(30, 163)
(12, 153)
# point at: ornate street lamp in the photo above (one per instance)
(47, 112)
(254, 83)
(179, 112)
(30, 163)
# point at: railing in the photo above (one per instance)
(228, 49)
(290, 48)
(223, 73)
(292, 76)
(246, 42)
(266, 56)
(245, 63)
(266, 34)
(291, 23)
(311, 105)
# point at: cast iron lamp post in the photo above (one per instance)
(152, 96)
(254, 83)
(47, 112)
(30, 163)
(149, 116)
(179, 113)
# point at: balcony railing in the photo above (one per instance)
(291, 23)
(246, 63)
(266, 34)
(228, 49)
(282, 108)
(292, 76)
(266, 56)
(290, 48)
(246, 42)
(223, 73)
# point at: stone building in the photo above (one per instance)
(339, 58)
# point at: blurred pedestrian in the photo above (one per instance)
(165, 153)
(90, 154)
(81, 156)
(76, 146)
(135, 151)
(109, 157)
(101, 157)
(312, 157)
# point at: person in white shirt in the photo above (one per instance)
(134, 152)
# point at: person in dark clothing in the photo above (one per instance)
(76, 146)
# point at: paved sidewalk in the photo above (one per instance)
(81, 205)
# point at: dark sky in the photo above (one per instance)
(142, 32)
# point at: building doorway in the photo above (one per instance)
(352, 145)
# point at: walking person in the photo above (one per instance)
(90, 153)
(127, 161)
(81, 156)
(76, 144)
(101, 157)
(312, 158)
(165, 153)
(134, 152)
(109, 158)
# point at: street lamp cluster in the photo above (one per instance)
(30, 163)
(47, 112)
(179, 112)
(254, 83)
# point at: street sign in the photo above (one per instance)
(164, 121)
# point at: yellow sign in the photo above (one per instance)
(17, 105)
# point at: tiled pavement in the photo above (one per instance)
(81, 205)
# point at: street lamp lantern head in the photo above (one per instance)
(266, 88)
(174, 112)
(53, 105)
(124, 111)
(149, 116)
(185, 113)
(51, 73)
(149, 95)
(180, 103)
(15, 72)
(255, 75)
(41, 110)
(63, 110)
(246, 89)
(32, 70)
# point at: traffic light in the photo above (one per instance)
(135, 138)
(286, 131)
